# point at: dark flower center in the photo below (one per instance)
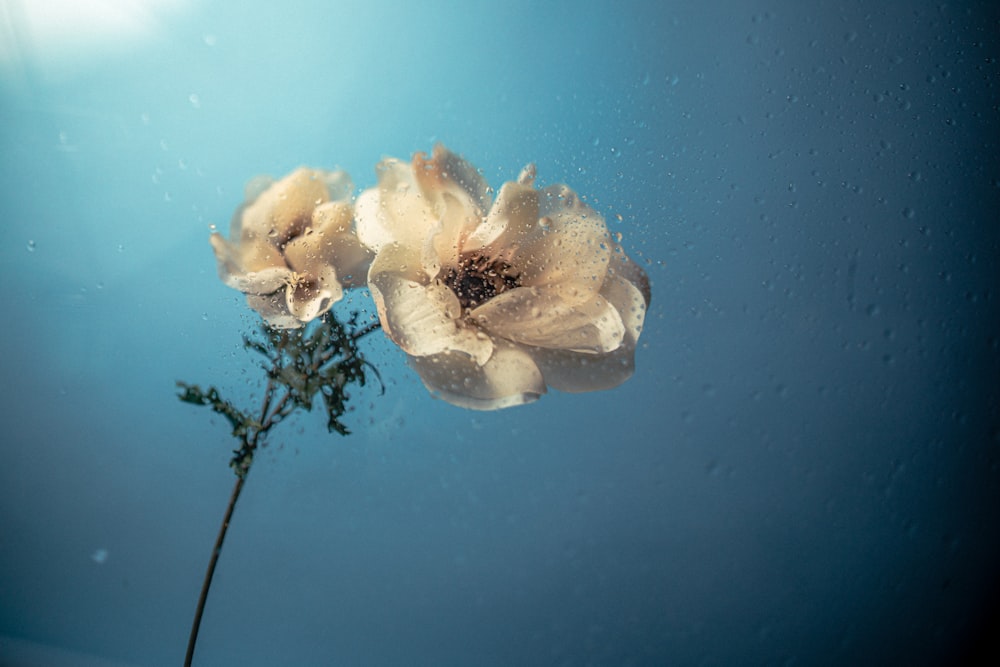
(477, 279)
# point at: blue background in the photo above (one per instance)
(804, 470)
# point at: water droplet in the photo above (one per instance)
(194, 100)
(121, 247)
(204, 316)
(209, 39)
(909, 213)
(31, 246)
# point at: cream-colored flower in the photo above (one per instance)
(292, 247)
(494, 300)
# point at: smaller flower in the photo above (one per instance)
(292, 247)
(493, 301)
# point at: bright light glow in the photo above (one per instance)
(56, 36)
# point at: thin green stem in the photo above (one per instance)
(207, 584)
(251, 441)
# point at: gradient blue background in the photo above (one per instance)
(804, 470)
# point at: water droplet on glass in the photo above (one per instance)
(31, 246)
(209, 39)
(194, 100)
(121, 247)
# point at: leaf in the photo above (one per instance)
(191, 393)
(322, 357)
(196, 396)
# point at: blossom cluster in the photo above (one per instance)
(492, 299)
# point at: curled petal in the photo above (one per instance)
(421, 319)
(627, 288)
(452, 186)
(329, 247)
(569, 243)
(433, 203)
(394, 211)
(309, 296)
(274, 309)
(253, 268)
(284, 210)
(512, 219)
(550, 236)
(510, 377)
(546, 318)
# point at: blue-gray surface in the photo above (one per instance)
(804, 469)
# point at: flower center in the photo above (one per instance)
(478, 279)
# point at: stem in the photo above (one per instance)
(252, 440)
(270, 415)
(211, 568)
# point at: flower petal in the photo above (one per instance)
(283, 210)
(393, 211)
(511, 220)
(274, 309)
(422, 319)
(448, 180)
(253, 267)
(457, 195)
(510, 377)
(570, 242)
(549, 236)
(339, 186)
(627, 288)
(339, 243)
(577, 372)
(312, 295)
(545, 317)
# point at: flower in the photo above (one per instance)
(292, 248)
(494, 301)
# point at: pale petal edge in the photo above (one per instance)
(509, 378)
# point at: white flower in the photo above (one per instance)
(292, 248)
(492, 301)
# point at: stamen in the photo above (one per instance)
(477, 279)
